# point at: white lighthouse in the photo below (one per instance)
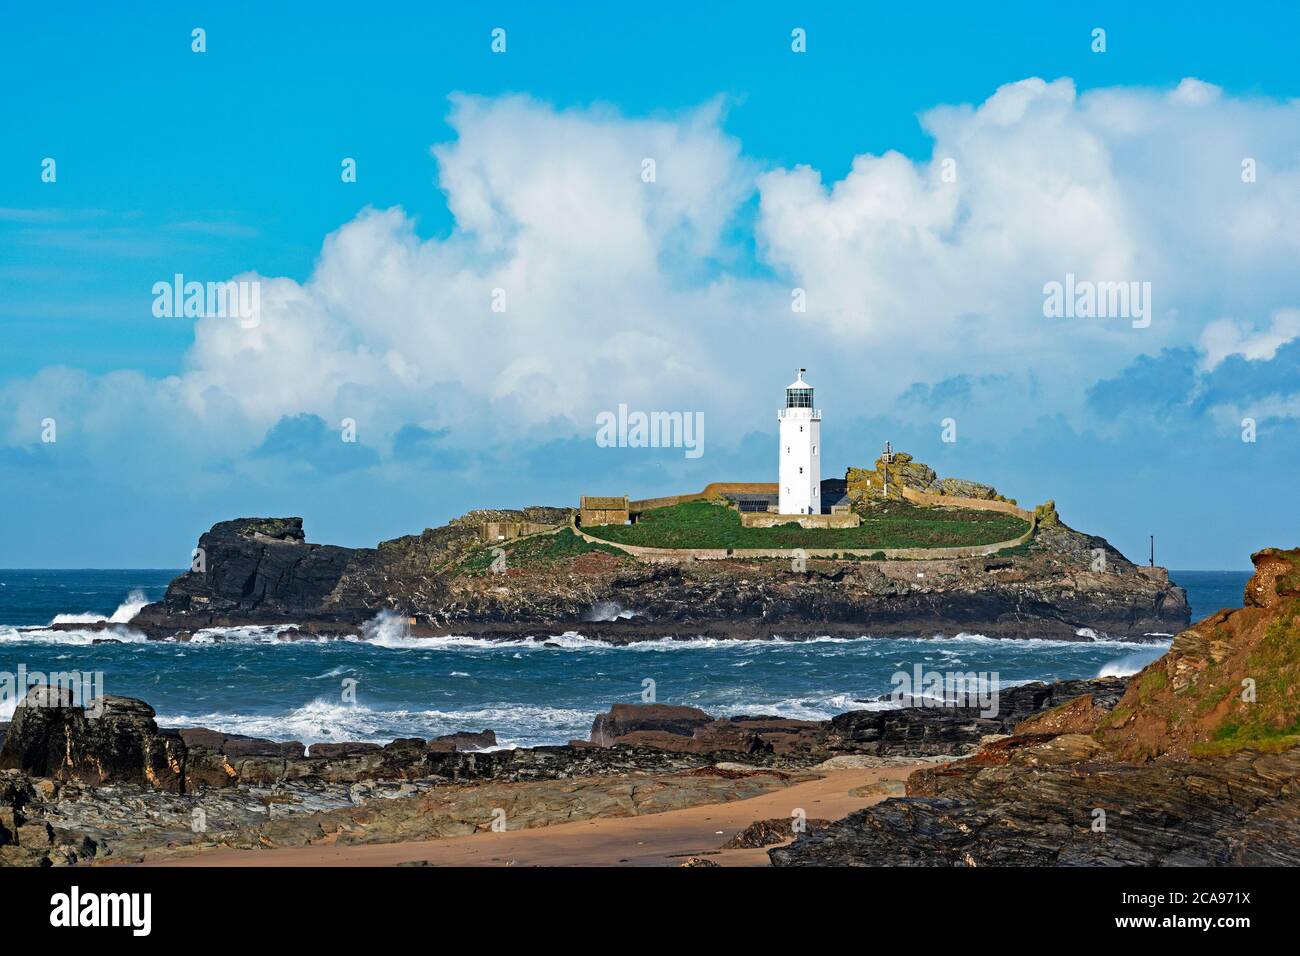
(801, 468)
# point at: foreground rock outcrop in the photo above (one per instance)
(1042, 809)
(77, 787)
(118, 742)
(932, 731)
(1197, 763)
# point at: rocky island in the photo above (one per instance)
(915, 554)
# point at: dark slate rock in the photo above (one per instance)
(52, 737)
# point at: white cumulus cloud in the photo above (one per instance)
(622, 290)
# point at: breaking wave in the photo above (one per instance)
(386, 629)
(1129, 664)
(390, 630)
(43, 635)
(126, 612)
(326, 721)
(608, 611)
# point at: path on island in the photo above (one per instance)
(659, 839)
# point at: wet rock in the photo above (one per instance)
(624, 719)
(260, 567)
(464, 740)
(237, 745)
(933, 731)
(913, 731)
(1238, 810)
(770, 832)
(690, 730)
(345, 749)
(782, 736)
(52, 737)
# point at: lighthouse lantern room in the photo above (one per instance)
(800, 471)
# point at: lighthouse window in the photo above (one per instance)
(801, 469)
(798, 398)
(814, 449)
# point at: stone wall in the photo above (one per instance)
(714, 489)
(975, 504)
(494, 531)
(759, 519)
(609, 509)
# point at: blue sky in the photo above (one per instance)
(776, 170)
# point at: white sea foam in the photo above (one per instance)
(324, 720)
(1011, 643)
(1129, 664)
(608, 611)
(332, 672)
(248, 633)
(43, 635)
(811, 706)
(822, 706)
(390, 630)
(387, 629)
(126, 611)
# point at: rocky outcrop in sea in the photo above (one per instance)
(1064, 585)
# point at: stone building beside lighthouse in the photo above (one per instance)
(799, 475)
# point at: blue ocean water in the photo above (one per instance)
(245, 681)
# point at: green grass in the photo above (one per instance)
(1017, 550)
(537, 550)
(1152, 682)
(701, 524)
(1272, 721)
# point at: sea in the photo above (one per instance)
(383, 684)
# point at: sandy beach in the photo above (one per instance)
(657, 839)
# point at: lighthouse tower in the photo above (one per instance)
(801, 463)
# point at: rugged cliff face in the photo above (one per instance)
(1197, 763)
(263, 571)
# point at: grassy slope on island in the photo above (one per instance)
(535, 550)
(701, 524)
